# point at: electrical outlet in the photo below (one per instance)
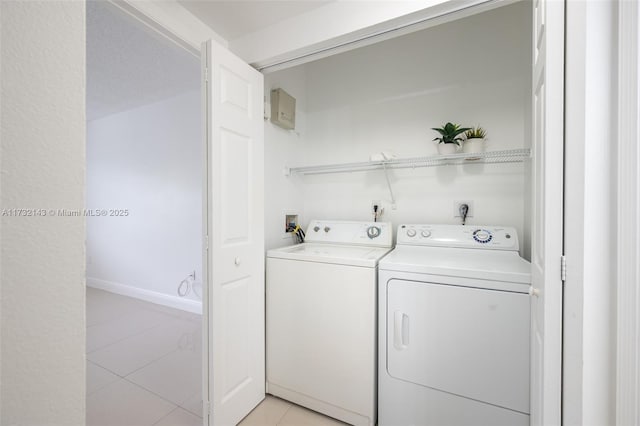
(377, 210)
(456, 208)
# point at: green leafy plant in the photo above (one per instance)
(476, 132)
(450, 133)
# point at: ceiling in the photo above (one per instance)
(130, 65)
(234, 18)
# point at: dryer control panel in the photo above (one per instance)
(377, 234)
(459, 236)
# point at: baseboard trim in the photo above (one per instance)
(146, 295)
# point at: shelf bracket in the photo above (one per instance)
(386, 175)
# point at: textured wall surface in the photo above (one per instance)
(43, 157)
(129, 65)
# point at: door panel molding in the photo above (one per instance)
(235, 155)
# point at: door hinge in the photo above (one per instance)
(206, 406)
(563, 268)
(206, 242)
(206, 74)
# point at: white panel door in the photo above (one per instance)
(548, 142)
(235, 227)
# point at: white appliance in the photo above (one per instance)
(454, 321)
(321, 319)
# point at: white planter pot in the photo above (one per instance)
(447, 148)
(473, 145)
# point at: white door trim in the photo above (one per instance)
(206, 267)
(171, 20)
(590, 223)
(189, 40)
(134, 10)
(628, 217)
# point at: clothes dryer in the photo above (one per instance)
(454, 326)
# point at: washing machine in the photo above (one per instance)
(321, 329)
(454, 326)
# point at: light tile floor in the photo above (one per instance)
(278, 412)
(143, 363)
(144, 368)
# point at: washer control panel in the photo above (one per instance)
(470, 236)
(482, 236)
(379, 234)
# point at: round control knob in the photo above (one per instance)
(411, 233)
(327, 229)
(425, 233)
(482, 236)
(316, 228)
(373, 232)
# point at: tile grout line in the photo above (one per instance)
(142, 388)
(279, 421)
(168, 414)
(179, 405)
(122, 379)
(151, 392)
(106, 384)
(151, 362)
(105, 368)
(124, 338)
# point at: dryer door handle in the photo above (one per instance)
(400, 330)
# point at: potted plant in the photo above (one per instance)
(450, 138)
(474, 141)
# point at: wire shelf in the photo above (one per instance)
(492, 157)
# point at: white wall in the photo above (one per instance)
(282, 148)
(42, 321)
(388, 96)
(147, 160)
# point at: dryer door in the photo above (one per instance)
(466, 341)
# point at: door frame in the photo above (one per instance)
(593, 234)
(628, 217)
(186, 41)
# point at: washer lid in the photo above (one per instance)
(494, 265)
(330, 253)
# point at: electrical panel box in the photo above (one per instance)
(283, 109)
